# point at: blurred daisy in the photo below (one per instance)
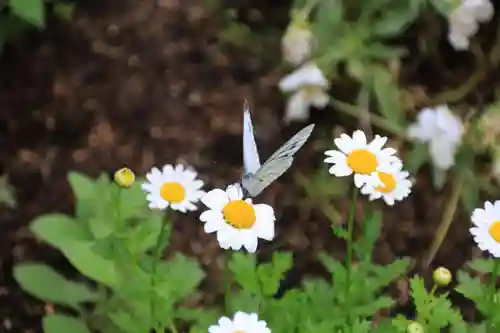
(486, 230)
(237, 221)
(241, 323)
(356, 156)
(395, 185)
(176, 188)
(309, 86)
(442, 130)
(298, 42)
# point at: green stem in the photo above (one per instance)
(349, 255)
(376, 120)
(446, 220)
(227, 283)
(492, 288)
(157, 257)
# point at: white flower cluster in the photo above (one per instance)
(307, 84)
(464, 21)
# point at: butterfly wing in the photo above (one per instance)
(251, 160)
(277, 164)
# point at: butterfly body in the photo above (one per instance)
(257, 177)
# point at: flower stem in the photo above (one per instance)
(227, 283)
(492, 288)
(348, 263)
(157, 257)
(446, 220)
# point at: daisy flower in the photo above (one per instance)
(486, 230)
(176, 188)
(241, 323)
(309, 86)
(395, 185)
(236, 220)
(356, 156)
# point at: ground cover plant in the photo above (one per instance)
(395, 140)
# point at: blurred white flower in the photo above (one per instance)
(442, 130)
(237, 221)
(309, 86)
(176, 188)
(298, 42)
(464, 21)
(357, 156)
(486, 230)
(241, 323)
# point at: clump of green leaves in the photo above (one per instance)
(113, 240)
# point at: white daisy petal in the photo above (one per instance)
(241, 322)
(215, 199)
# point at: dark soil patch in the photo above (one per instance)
(138, 84)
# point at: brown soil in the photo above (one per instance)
(138, 84)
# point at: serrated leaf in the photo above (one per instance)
(372, 226)
(335, 268)
(144, 236)
(245, 301)
(244, 268)
(201, 318)
(178, 278)
(484, 266)
(419, 293)
(46, 284)
(58, 230)
(129, 323)
(58, 323)
(388, 95)
(270, 275)
(32, 11)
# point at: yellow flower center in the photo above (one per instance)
(239, 214)
(388, 181)
(495, 231)
(362, 161)
(173, 192)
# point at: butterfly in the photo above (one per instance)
(257, 177)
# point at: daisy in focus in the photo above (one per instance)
(442, 130)
(237, 221)
(241, 323)
(486, 230)
(176, 188)
(395, 185)
(357, 156)
(309, 86)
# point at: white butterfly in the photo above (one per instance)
(256, 177)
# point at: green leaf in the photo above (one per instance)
(202, 318)
(245, 301)
(243, 266)
(484, 266)
(328, 17)
(128, 322)
(58, 230)
(394, 22)
(470, 192)
(132, 201)
(57, 323)
(388, 95)
(6, 190)
(372, 226)
(178, 278)
(416, 157)
(143, 237)
(32, 11)
(270, 275)
(419, 293)
(85, 191)
(46, 284)
(81, 255)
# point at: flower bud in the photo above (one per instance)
(415, 327)
(441, 276)
(298, 42)
(124, 177)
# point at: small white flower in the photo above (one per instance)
(175, 188)
(442, 130)
(237, 221)
(463, 21)
(482, 10)
(298, 42)
(459, 41)
(241, 323)
(309, 86)
(486, 230)
(357, 156)
(395, 185)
